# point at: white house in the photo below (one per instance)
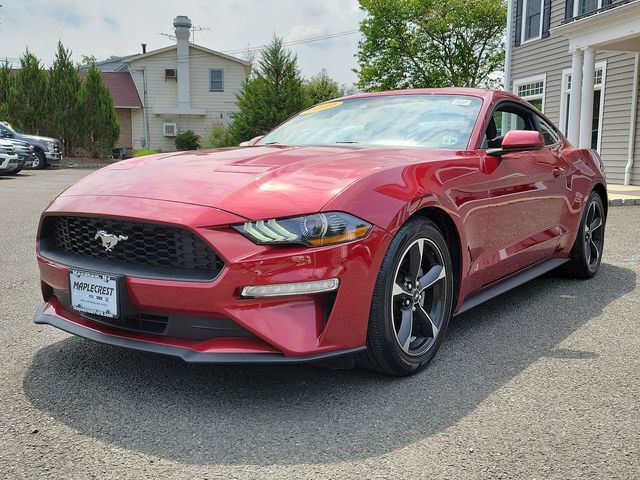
(579, 62)
(181, 87)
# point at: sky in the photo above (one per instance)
(118, 27)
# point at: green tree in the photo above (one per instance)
(100, 127)
(320, 88)
(6, 82)
(64, 81)
(29, 96)
(271, 95)
(87, 60)
(430, 43)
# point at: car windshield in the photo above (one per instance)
(12, 128)
(435, 121)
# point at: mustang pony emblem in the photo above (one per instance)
(109, 241)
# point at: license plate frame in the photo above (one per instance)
(94, 301)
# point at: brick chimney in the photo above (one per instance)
(182, 26)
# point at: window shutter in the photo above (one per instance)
(518, 22)
(568, 9)
(546, 18)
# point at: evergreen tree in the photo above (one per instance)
(64, 81)
(320, 88)
(6, 82)
(98, 117)
(29, 95)
(274, 93)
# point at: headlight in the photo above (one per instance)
(49, 145)
(314, 230)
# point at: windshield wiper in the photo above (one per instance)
(348, 141)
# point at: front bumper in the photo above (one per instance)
(53, 157)
(303, 328)
(201, 353)
(9, 163)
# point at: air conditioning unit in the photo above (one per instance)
(170, 74)
(170, 129)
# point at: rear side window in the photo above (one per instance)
(549, 133)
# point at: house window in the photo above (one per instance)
(598, 103)
(532, 90)
(216, 80)
(532, 20)
(583, 7)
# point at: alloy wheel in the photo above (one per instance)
(418, 297)
(593, 234)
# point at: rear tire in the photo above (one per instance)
(412, 301)
(40, 163)
(586, 254)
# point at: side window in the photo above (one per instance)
(506, 121)
(549, 133)
(216, 80)
(503, 119)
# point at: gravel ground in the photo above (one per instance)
(543, 382)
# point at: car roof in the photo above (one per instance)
(474, 92)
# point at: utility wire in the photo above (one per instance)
(296, 42)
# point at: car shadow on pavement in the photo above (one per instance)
(212, 414)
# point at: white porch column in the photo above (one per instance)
(586, 110)
(573, 130)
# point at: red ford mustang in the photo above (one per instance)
(355, 229)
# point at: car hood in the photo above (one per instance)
(36, 138)
(253, 182)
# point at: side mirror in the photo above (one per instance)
(255, 140)
(252, 142)
(518, 141)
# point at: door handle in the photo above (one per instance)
(557, 171)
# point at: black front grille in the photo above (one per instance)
(142, 322)
(138, 243)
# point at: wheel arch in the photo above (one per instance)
(601, 190)
(448, 228)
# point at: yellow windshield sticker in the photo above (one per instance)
(322, 106)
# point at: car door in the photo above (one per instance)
(526, 200)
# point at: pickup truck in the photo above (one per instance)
(47, 150)
(8, 157)
(25, 153)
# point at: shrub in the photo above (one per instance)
(187, 141)
(218, 136)
(146, 151)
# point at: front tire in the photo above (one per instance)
(40, 162)
(586, 254)
(412, 301)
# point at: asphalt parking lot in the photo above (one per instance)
(543, 382)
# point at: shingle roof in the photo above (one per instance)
(123, 90)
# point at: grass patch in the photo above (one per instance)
(146, 151)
